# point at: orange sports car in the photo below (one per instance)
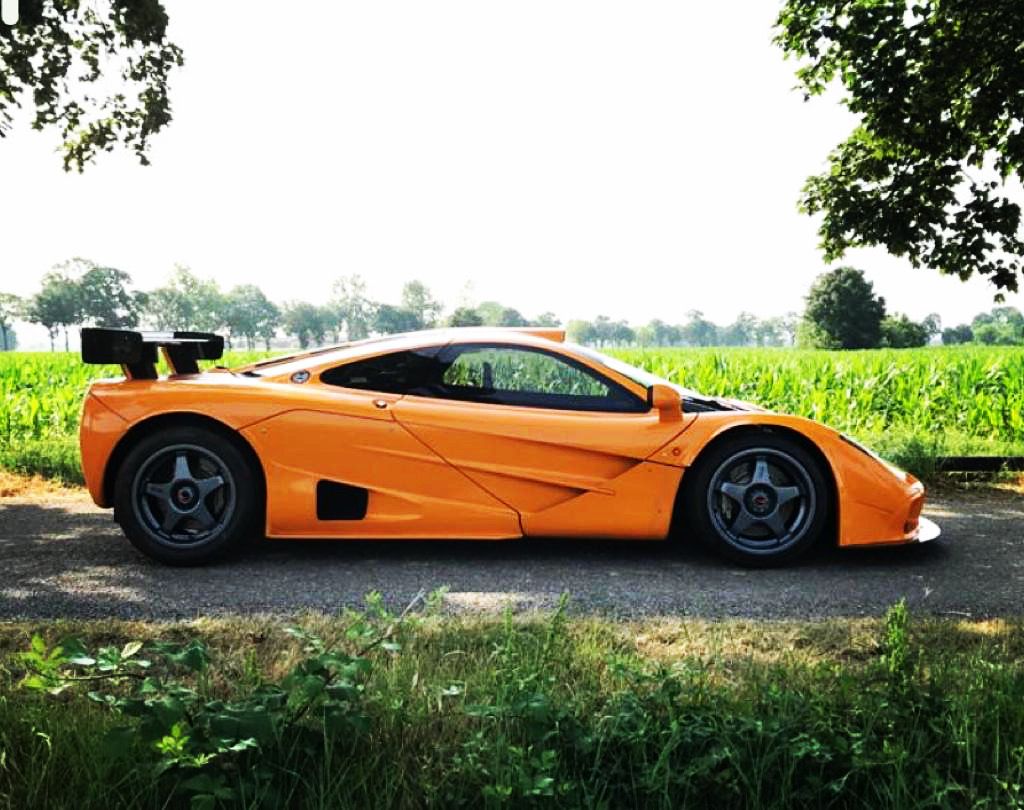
(482, 433)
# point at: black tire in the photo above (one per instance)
(181, 515)
(730, 505)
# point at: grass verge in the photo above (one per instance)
(56, 458)
(545, 711)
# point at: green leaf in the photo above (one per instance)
(130, 649)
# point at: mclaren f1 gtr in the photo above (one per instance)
(482, 433)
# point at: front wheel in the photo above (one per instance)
(186, 495)
(759, 499)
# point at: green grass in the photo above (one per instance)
(554, 711)
(910, 405)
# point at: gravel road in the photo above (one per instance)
(63, 557)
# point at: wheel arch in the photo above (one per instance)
(146, 427)
(805, 442)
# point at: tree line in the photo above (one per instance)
(746, 330)
(842, 312)
(81, 292)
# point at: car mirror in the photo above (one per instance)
(667, 401)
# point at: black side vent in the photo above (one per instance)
(336, 501)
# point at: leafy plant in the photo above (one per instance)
(213, 749)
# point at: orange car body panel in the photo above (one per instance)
(447, 468)
(875, 503)
(566, 474)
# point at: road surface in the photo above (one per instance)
(60, 556)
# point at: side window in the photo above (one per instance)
(395, 373)
(512, 376)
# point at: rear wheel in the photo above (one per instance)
(186, 495)
(760, 499)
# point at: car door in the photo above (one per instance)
(563, 445)
(342, 466)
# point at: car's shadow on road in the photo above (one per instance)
(555, 549)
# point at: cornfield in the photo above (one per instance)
(958, 400)
(967, 392)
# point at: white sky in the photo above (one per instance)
(633, 159)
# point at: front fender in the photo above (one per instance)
(876, 502)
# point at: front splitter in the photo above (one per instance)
(927, 530)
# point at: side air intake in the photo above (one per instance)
(336, 501)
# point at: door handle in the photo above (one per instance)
(380, 403)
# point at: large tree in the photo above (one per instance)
(58, 305)
(659, 333)
(740, 332)
(699, 331)
(187, 303)
(352, 308)
(104, 295)
(843, 311)
(768, 332)
(96, 72)
(547, 319)
(390, 320)
(249, 314)
(11, 307)
(465, 316)
(932, 169)
(417, 298)
(899, 332)
(305, 322)
(954, 335)
(580, 331)
(1002, 326)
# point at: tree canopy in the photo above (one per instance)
(104, 297)
(932, 169)
(465, 316)
(186, 302)
(843, 311)
(10, 308)
(1002, 326)
(57, 305)
(418, 300)
(305, 322)
(96, 72)
(899, 332)
(249, 314)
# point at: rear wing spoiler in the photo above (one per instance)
(136, 352)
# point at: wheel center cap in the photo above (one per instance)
(185, 497)
(760, 501)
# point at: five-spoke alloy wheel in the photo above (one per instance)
(758, 498)
(185, 494)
